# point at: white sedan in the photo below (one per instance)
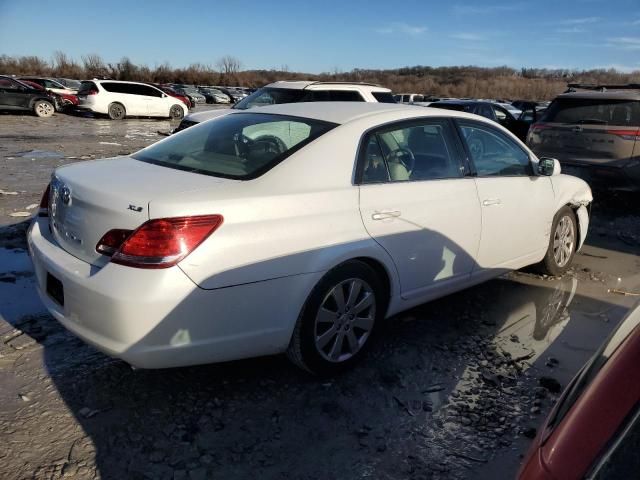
(295, 228)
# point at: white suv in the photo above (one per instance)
(122, 99)
(299, 91)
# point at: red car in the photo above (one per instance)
(63, 100)
(594, 430)
(173, 93)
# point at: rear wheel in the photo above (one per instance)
(116, 111)
(562, 243)
(176, 112)
(338, 319)
(43, 108)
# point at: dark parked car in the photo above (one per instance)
(489, 110)
(594, 130)
(62, 101)
(15, 95)
(594, 429)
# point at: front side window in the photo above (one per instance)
(418, 151)
(493, 153)
(501, 114)
(239, 146)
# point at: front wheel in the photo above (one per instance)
(43, 108)
(176, 112)
(338, 319)
(562, 243)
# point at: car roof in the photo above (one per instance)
(610, 95)
(345, 112)
(302, 84)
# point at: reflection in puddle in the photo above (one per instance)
(535, 322)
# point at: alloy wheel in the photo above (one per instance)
(345, 320)
(563, 241)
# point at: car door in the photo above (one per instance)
(13, 95)
(517, 205)
(156, 104)
(418, 203)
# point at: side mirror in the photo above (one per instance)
(548, 167)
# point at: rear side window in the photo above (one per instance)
(493, 153)
(345, 96)
(594, 111)
(114, 87)
(239, 146)
(86, 87)
(417, 151)
(8, 84)
(384, 97)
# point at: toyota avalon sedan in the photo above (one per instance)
(294, 228)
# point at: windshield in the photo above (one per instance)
(271, 96)
(385, 97)
(587, 111)
(240, 146)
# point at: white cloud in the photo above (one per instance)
(475, 9)
(472, 37)
(624, 43)
(579, 21)
(402, 28)
(571, 30)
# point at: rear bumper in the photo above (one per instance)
(160, 318)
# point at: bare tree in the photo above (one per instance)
(93, 65)
(229, 65)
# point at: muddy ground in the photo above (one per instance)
(453, 389)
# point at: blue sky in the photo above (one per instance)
(326, 35)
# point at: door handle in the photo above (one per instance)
(491, 201)
(386, 214)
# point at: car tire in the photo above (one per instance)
(339, 319)
(176, 112)
(43, 108)
(563, 242)
(117, 111)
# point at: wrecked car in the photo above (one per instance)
(294, 228)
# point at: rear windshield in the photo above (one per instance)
(239, 146)
(383, 97)
(86, 87)
(594, 111)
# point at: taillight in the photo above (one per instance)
(112, 241)
(536, 127)
(43, 211)
(626, 134)
(159, 243)
(93, 91)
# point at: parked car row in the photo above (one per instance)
(117, 99)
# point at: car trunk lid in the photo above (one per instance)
(87, 200)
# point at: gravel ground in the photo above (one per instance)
(453, 389)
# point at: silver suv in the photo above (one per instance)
(298, 91)
(594, 130)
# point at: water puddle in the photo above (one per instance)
(38, 154)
